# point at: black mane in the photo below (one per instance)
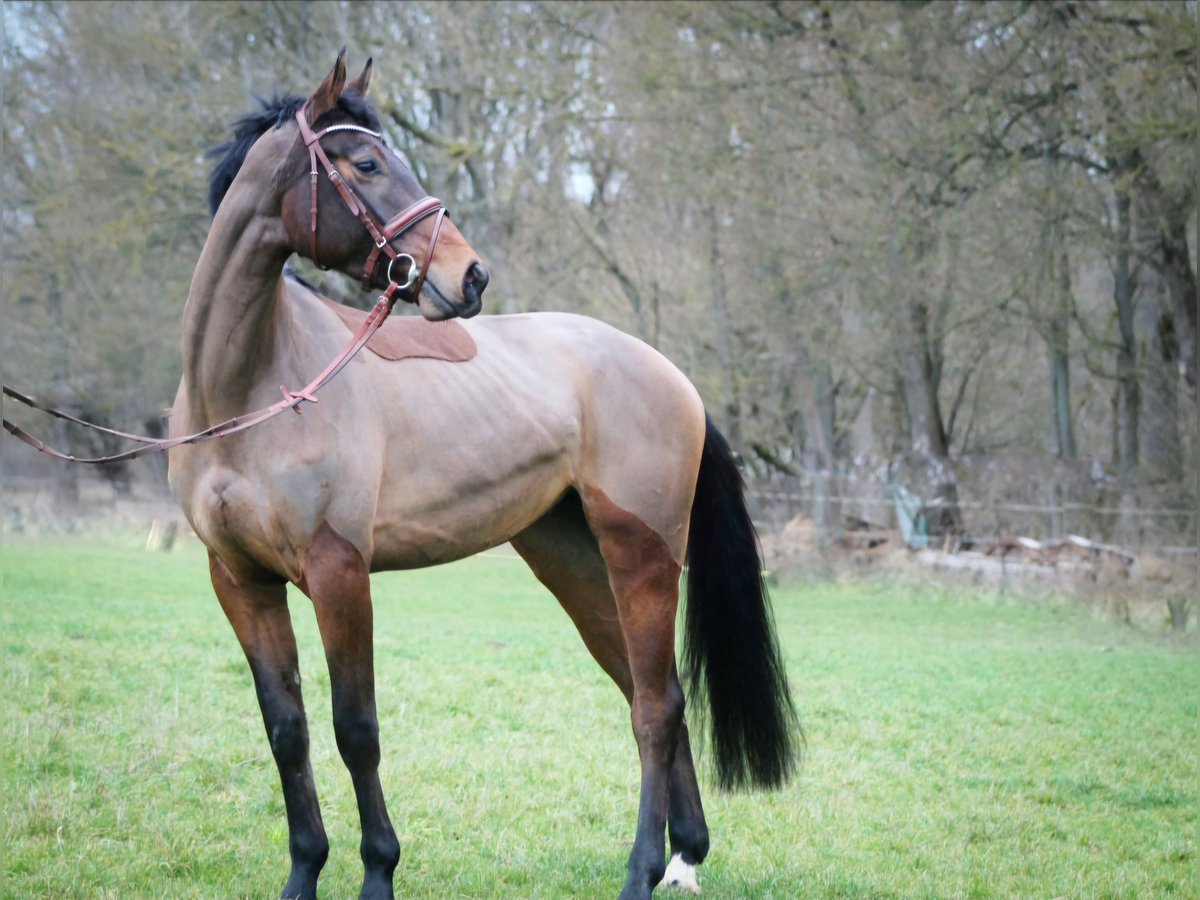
(277, 112)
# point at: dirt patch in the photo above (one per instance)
(1150, 592)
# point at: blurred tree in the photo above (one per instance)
(887, 241)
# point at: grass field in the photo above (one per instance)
(958, 745)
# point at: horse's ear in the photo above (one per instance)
(363, 80)
(326, 96)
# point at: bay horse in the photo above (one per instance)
(580, 445)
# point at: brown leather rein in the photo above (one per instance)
(382, 235)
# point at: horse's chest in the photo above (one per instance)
(261, 519)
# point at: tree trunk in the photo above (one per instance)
(1057, 337)
(1181, 285)
(931, 474)
(1056, 277)
(1060, 385)
(927, 433)
(1129, 395)
(715, 216)
(1161, 452)
(730, 401)
(1165, 240)
(820, 413)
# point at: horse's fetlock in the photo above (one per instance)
(690, 842)
(645, 872)
(309, 850)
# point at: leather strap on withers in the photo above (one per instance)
(382, 235)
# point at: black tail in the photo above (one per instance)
(730, 654)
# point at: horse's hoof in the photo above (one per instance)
(378, 887)
(294, 892)
(680, 876)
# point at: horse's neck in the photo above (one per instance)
(233, 310)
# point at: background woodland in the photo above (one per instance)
(949, 247)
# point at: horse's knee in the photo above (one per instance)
(288, 734)
(357, 738)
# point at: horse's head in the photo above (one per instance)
(358, 208)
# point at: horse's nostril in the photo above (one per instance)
(476, 279)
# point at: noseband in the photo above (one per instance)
(382, 235)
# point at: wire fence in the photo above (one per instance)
(1159, 529)
(40, 502)
(809, 498)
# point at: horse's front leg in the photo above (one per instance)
(259, 616)
(337, 581)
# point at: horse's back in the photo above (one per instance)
(613, 368)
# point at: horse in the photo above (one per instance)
(581, 446)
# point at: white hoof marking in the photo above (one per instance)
(681, 876)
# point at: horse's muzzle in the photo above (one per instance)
(474, 282)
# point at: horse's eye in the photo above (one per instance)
(367, 167)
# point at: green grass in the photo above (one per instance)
(959, 745)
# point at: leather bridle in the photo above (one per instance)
(381, 234)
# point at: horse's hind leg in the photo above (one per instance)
(259, 616)
(337, 581)
(565, 556)
(685, 819)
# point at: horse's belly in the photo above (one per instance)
(458, 520)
